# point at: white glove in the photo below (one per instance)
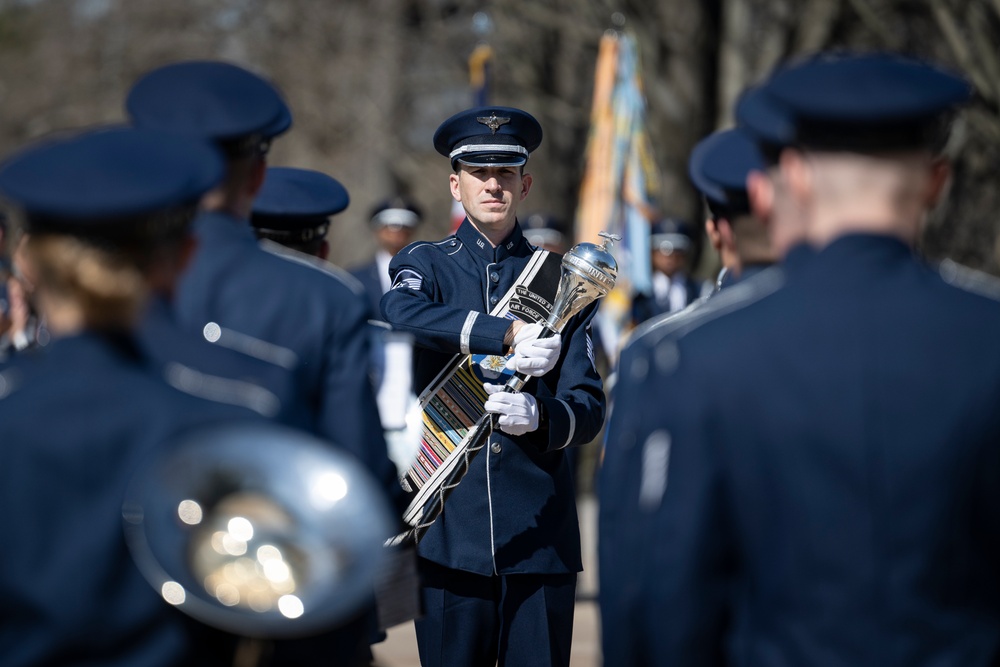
(518, 412)
(534, 356)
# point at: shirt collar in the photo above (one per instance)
(512, 246)
(382, 259)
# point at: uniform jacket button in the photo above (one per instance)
(495, 277)
(496, 447)
(494, 299)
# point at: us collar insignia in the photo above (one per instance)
(493, 121)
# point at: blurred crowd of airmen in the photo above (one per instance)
(800, 465)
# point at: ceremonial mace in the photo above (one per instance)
(588, 273)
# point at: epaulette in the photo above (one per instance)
(8, 383)
(448, 245)
(970, 280)
(665, 319)
(708, 309)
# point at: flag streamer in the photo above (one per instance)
(620, 179)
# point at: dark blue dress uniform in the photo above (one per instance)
(668, 236)
(507, 544)
(395, 212)
(218, 373)
(307, 313)
(75, 420)
(292, 309)
(515, 510)
(369, 276)
(293, 209)
(718, 167)
(77, 416)
(821, 488)
(521, 484)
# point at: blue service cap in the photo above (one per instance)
(210, 100)
(851, 101)
(100, 181)
(671, 234)
(396, 212)
(293, 200)
(719, 165)
(488, 136)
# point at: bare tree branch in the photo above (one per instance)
(734, 71)
(953, 35)
(816, 22)
(985, 51)
(873, 22)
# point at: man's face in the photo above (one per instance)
(668, 263)
(393, 238)
(490, 195)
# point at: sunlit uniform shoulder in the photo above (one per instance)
(129, 360)
(430, 250)
(707, 309)
(316, 264)
(969, 280)
(417, 261)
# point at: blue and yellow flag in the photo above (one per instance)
(620, 179)
(480, 64)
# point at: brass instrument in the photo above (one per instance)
(261, 531)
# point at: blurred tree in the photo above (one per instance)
(369, 81)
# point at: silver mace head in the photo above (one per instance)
(589, 271)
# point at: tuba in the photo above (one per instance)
(258, 530)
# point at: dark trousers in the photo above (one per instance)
(515, 620)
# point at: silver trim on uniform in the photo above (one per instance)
(655, 466)
(572, 423)
(320, 265)
(7, 384)
(222, 390)
(702, 311)
(464, 339)
(489, 502)
(254, 347)
(969, 280)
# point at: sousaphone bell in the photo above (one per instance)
(261, 531)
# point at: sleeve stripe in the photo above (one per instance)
(572, 423)
(409, 279)
(467, 331)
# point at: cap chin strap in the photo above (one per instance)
(293, 235)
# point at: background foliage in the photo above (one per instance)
(369, 81)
